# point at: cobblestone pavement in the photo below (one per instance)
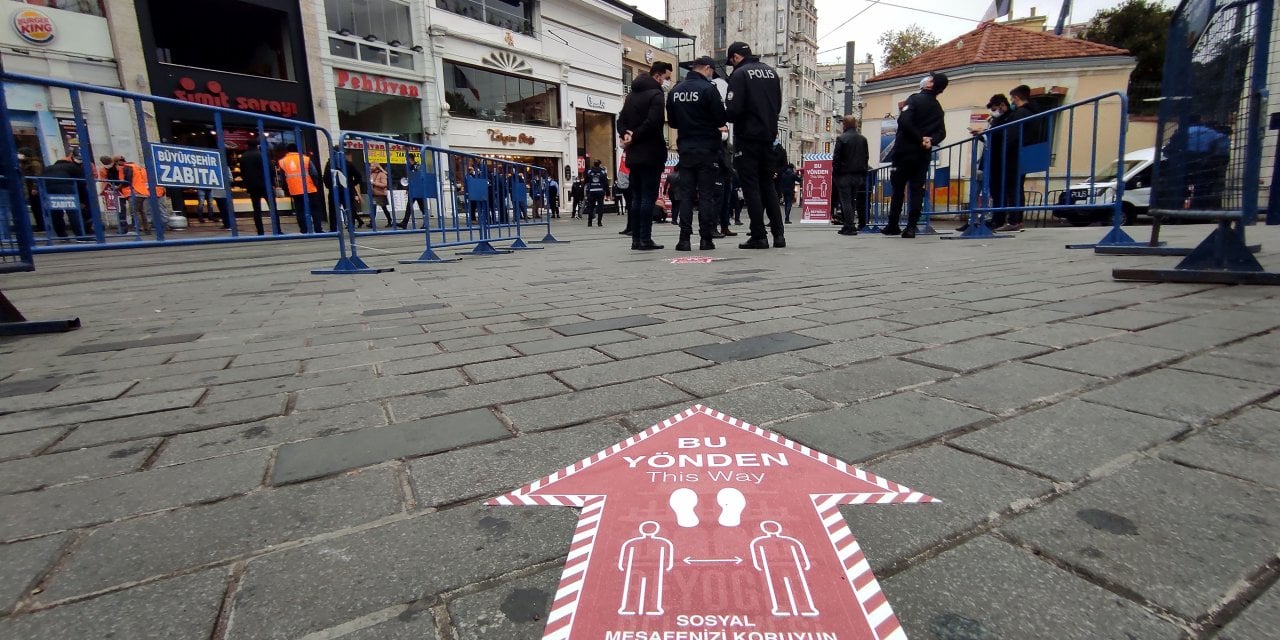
(234, 448)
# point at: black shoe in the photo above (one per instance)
(716, 234)
(909, 233)
(725, 232)
(588, 223)
(646, 245)
(705, 245)
(755, 243)
(683, 245)
(779, 242)
(891, 231)
(624, 232)
(847, 232)
(787, 221)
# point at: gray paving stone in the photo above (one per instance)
(26, 443)
(60, 398)
(106, 499)
(483, 470)
(415, 623)
(1180, 395)
(868, 380)
(649, 346)
(1087, 306)
(523, 366)
(972, 491)
(1070, 440)
(171, 422)
(73, 466)
(1182, 337)
(974, 354)
(371, 388)
(159, 545)
(102, 347)
(319, 457)
(933, 316)
(581, 406)
(34, 385)
(1107, 358)
(732, 375)
(488, 394)
(405, 309)
(515, 610)
(73, 414)
(754, 347)
(763, 327)
(148, 373)
(23, 563)
(573, 342)
(842, 353)
(761, 404)
(613, 372)
(671, 326)
(836, 316)
(384, 353)
(373, 335)
(295, 592)
(1244, 321)
(996, 305)
(1259, 621)
(854, 330)
(948, 332)
(221, 441)
(398, 366)
(772, 313)
(182, 608)
(157, 384)
(872, 428)
(608, 324)
(986, 589)
(1010, 386)
(1022, 318)
(1247, 446)
(1132, 319)
(294, 354)
(1062, 334)
(1150, 528)
(1255, 367)
(489, 340)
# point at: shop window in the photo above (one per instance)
(371, 31)
(472, 92)
(512, 15)
(90, 7)
(385, 115)
(262, 43)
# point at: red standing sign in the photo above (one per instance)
(707, 527)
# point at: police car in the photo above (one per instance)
(1136, 174)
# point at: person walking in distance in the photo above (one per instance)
(301, 176)
(695, 110)
(920, 130)
(577, 194)
(553, 196)
(640, 131)
(595, 185)
(850, 162)
(258, 180)
(379, 181)
(753, 103)
(787, 183)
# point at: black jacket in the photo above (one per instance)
(63, 177)
(251, 172)
(597, 181)
(754, 102)
(921, 116)
(1032, 132)
(696, 111)
(355, 178)
(852, 154)
(642, 115)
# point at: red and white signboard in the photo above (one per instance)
(707, 527)
(815, 195)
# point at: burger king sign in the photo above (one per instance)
(34, 26)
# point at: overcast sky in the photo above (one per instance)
(878, 17)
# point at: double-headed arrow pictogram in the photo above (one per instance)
(706, 525)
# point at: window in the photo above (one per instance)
(512, 15)
(91, 7)
(262, 48)
(472, 92)
(384, 20)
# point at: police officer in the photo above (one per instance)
(753, 104)
(695, 110)
(596, 185)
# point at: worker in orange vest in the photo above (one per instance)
(137, 190)
(300, 178)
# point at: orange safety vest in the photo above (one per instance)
(296, 168)
(138, 184)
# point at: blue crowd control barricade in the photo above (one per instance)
(1211, 135)
(151, 190)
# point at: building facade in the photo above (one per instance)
(784, 34)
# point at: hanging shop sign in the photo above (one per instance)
(357, 81)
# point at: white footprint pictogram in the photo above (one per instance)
(731, 502)
(682, 501)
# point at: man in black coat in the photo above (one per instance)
(697, 113)
(920, 130)
(753, 104)
(850, 162)
(63, 179)
(258, 181)
(640, 130)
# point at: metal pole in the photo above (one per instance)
(848, 78)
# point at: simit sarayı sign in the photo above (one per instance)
(706, 527)
(374, 84)
(213, 94)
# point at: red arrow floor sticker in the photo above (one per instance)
(707, 528)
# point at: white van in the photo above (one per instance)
(1137, 191)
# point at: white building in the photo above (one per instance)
(784, 34)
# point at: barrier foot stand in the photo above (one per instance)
(1148, 250)
(1116, 237)
(519, 245)
(550, 239)
(429, 257)
(348, 266)
(484, 249)
(13, 323)
(928, 230)
(978, 231)
(1222, 258)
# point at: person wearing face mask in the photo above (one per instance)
(640, 130)
(920, 130)
(697, 113)
(753, 103)
(1003, 161)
